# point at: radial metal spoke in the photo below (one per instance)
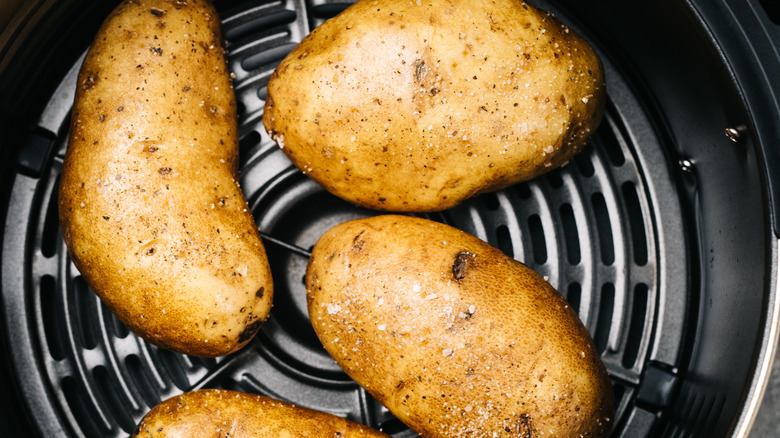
(229, 364)
(288, 246)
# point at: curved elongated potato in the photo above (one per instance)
(405, 105)
(149, 205)
(224, 413)
(452, 336)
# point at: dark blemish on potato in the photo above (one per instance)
(150, 251)
(106, 218)
(462, 260)
(90, 81)
(157, 12)
(152, 149)
(434, 91)
(120, 108)
(249, 331)
(525, 426)
(156, 50)
(420, 70)
(358, 243)
(260, 292)
(102, 118)
(186, 88)
(164, 170)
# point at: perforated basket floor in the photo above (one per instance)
(606, 230)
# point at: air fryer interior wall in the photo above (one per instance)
(661, 233)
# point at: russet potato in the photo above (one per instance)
(405, 105)
(452, 336)
(150, 208)
(233, 414)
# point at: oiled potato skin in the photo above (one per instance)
(452, 336)
(149, 206)
(400, 105)
(224, 413)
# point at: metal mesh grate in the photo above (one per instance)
(595, 228)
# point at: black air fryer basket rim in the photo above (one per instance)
(757, 36)
(743, 40)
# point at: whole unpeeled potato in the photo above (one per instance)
(149, 205)
(417, 105)
(225, 413)
(452, 336)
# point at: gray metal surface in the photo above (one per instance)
(767, 421)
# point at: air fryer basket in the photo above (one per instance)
(661, 233)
